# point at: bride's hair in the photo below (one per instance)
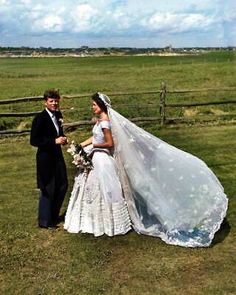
(99, 102)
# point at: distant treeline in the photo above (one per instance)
(86, 50)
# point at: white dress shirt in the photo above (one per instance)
(54, 120)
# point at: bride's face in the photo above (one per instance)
(96, 108)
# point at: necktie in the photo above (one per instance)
(54, 119)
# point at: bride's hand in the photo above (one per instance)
(86, 142)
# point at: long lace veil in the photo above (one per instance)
(170, 193)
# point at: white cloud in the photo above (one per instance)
(50, 23)
(204, 5)
(26, 2)
(4, 2)
(229, 15)
(196, 21)
(116, 20)
(35, 12)
(84, 18)
(177, 23)
(42, 22)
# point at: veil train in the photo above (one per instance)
(170, 193)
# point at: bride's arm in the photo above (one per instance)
(108, 143)
(87, 142)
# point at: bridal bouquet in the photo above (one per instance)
(80, 157)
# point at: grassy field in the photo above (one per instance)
(20, 77)
(36, 261)
(26, 77)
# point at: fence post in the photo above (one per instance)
(163, 102)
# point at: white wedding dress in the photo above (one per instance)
(169, 193)
(97, 205)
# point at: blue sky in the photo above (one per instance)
(117, 23)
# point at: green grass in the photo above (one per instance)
(21, 77)
(79, 75)
(35, 261)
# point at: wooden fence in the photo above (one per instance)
(162, 97)
(164, 105)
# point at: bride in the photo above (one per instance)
(141, 181)
(97, 204)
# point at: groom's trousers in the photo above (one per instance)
(52, 196)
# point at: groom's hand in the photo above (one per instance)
(61, 140)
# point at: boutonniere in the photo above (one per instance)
(61, 121)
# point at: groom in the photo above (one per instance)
(47, 135)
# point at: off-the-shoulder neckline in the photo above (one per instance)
(103, 121)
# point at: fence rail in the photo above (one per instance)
(74, 125)
(24, 114)
(38, 98)
(195, 104)
(162, 97)
(167, 105)
(22, 99)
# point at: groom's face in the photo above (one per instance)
(52, 104)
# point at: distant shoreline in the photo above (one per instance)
(92, 55)
(85, 51)
(41, 55)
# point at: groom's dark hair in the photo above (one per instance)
(51, 93)
(99, 102)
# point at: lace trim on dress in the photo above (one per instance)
(89, 213)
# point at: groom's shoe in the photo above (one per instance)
(43, 226)
(52, 227)
(59, 220)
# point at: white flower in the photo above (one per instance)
(80, 158)
(72, 149)
(204, 189)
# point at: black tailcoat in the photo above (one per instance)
(51, 169)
